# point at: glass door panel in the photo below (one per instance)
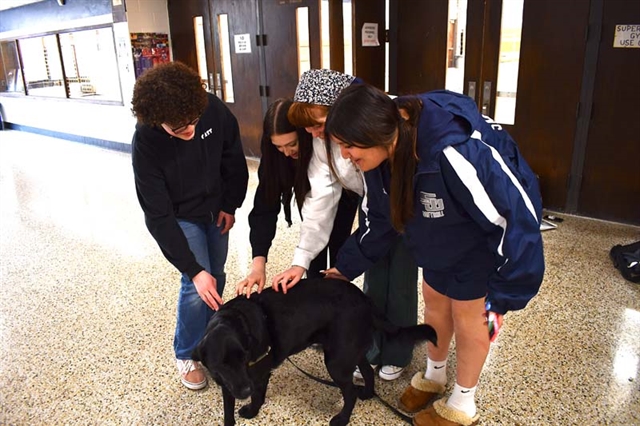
(201, 54)
(225, 57)
(492, 56)
(347, 16)
(324, 35)
(302, 32)
(456, 45)
(509, 61)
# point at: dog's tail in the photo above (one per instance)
(409, 335)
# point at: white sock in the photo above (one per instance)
(463, 399)
(436, 371)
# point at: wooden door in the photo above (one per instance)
(545, 83)
(268, 63)
(610, 185)
(236, 74)
(550, 79)
(419, 46)
(283, 61)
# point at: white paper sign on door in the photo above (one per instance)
(242, 42)
(370, 34)
(627, 36)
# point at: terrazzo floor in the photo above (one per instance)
(87, 312)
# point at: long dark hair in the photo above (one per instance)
(282, 174)
(366, 117)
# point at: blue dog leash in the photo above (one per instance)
(391, 408)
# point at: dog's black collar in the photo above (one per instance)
(260, 358)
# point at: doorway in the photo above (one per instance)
(520, 60)
(608, 186)
(260, 48)
(516, 79)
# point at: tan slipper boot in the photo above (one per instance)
(439, 414)
(419, 393)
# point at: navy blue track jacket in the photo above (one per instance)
(476, 201)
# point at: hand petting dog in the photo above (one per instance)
(334, 273)
(257, 277)
(284, 280)
(288, 278)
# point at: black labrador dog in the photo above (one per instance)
(247, 338)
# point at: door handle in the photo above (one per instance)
(471, 90)
(486, 97)
(211, 85)
(217, 85)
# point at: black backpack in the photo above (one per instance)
(627, 260)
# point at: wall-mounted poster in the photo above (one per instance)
(149, 49)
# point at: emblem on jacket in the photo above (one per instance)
(433, 206)
(205, 134)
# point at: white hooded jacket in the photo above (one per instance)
(321, 202)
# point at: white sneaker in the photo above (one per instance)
(358, 375)
(390, 372)
(191, 374)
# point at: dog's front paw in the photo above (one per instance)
(364, 393)
(248, 411)
(339, 420)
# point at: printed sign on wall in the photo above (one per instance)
(627, 36)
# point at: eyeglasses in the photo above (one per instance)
(181, 129)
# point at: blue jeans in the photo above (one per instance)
(210, 250)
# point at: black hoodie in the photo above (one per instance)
(192, 180)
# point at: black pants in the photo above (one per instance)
(342, 226)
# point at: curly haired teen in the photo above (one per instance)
(190, 177)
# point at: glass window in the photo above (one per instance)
(10, 71)
(90, 65)
(80, 64)
(41, 66)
